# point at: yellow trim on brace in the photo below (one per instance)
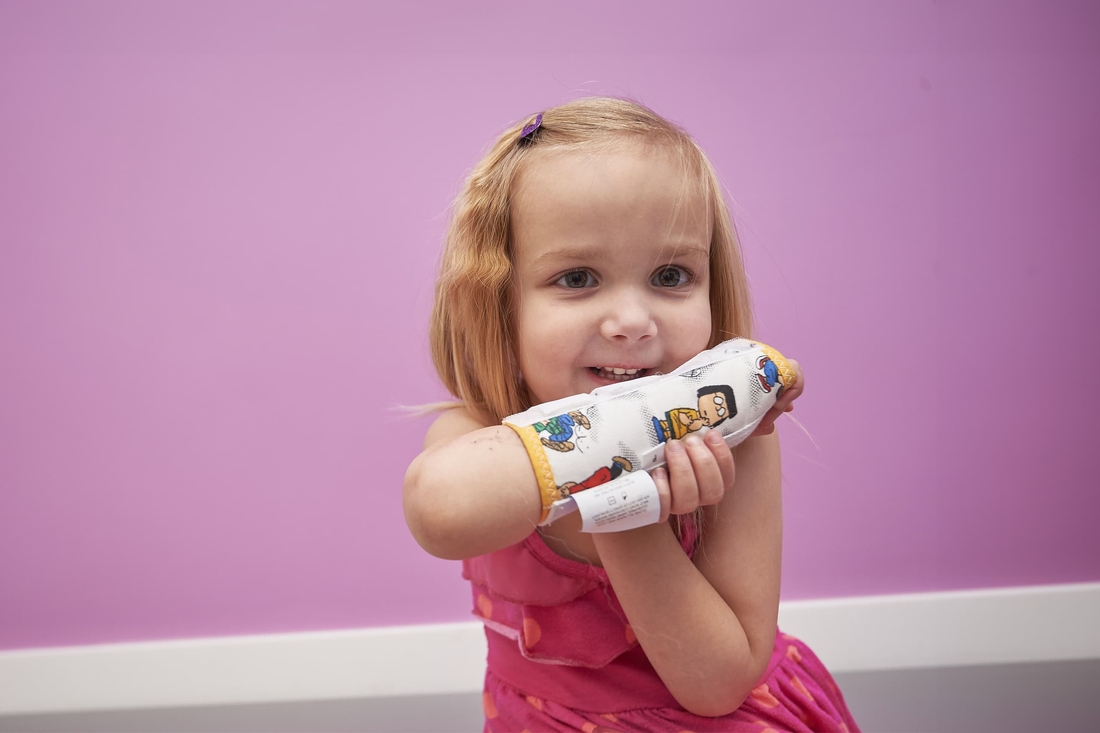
(543, 473)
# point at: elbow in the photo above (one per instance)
(713, 705)
(454, 513)
(425, 516)
(726, 689)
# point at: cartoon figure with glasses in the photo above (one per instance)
(716, 403)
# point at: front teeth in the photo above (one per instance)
(618, 373)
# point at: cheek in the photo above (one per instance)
(548, 341)
(541, 327)
(539, 342)
(695, 326)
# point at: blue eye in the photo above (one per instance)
(576, 279)
(671, 277)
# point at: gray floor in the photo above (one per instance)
(997, 699)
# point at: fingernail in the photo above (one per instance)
(693, 441)
(714, 438)
(675, 446)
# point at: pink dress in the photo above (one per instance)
(562, 657)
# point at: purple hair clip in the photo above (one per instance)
(528, 133)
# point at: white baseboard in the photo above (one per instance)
(950, 629)
(1012, 625)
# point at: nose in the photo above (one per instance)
(629, 316)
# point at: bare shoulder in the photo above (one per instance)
(451, 424)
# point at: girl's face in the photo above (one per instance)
(611, 259)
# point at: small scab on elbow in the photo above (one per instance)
(488, 440)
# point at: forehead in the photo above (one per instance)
(627, 193)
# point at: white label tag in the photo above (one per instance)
(628, 502)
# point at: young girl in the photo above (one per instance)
(590, 246)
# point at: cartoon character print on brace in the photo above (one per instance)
(560, 429)
(626, 432)
(715, 404)
(601, 476)
(768, 372)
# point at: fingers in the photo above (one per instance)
(788, 395)
(709, 483)
(767, 425)
(723, 456)
(681, 477)
(700, 471)
(660, 478)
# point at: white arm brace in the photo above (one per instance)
(582, 441)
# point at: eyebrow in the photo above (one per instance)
(570, 252)
(562, 253)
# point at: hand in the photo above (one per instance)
(699, 471)
(785, 403)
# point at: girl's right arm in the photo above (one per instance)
(472, 490)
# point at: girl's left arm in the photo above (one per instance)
(708, 625)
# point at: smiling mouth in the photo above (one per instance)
(619, 374)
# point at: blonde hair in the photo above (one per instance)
(472, 333)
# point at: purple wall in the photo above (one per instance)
(219, 224)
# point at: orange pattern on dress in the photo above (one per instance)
(487, 703)
(793, 653)
(532, 632)
(801, 687)
(630, 637)
(763, 696)
(534, 702)
(484, 605)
